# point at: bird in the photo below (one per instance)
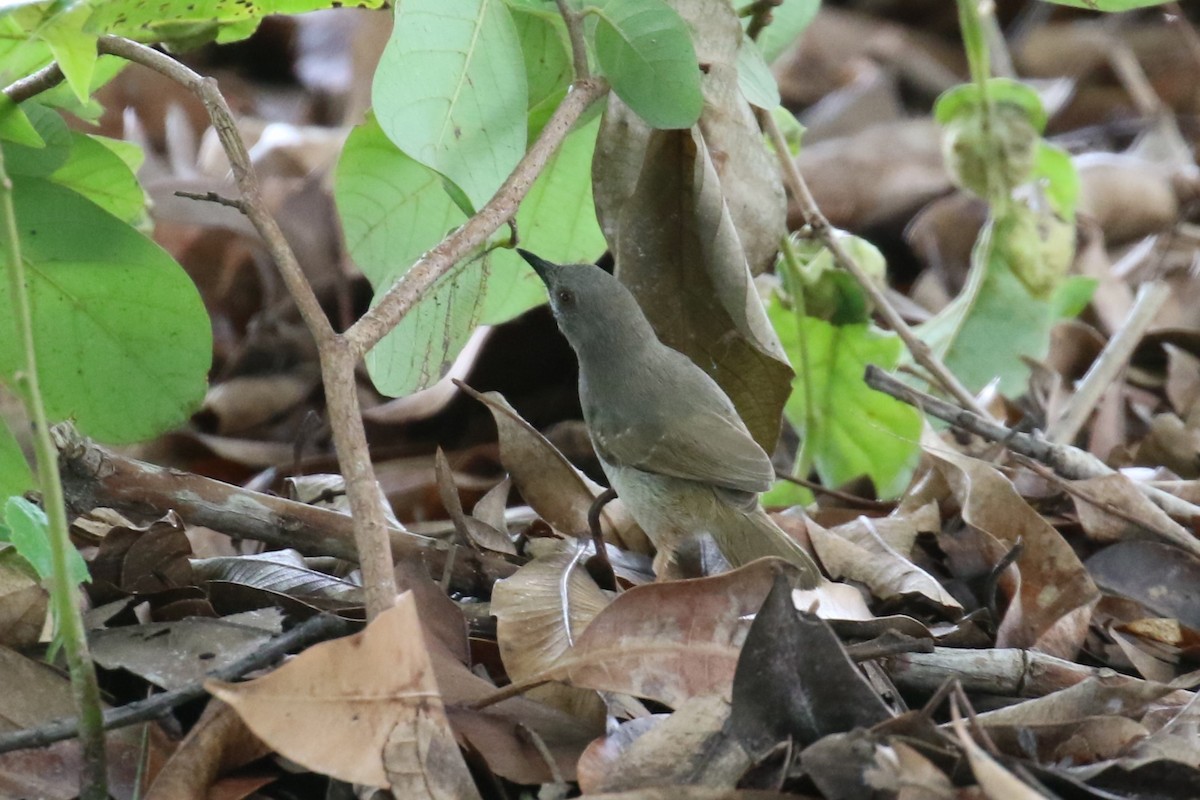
(668, 438)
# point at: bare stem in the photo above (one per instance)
(820, 226)
(45, 78)
(63, 591)
(574, 22)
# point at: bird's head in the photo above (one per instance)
(594, 310)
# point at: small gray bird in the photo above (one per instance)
(668, 437)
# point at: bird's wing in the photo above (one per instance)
(700, 445)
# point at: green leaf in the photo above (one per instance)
(788, 21)
(392, 208)
(29, 532)
(15, 475)
(196, 21)
(421, 349)
(1073, 296)
(846, 429)
(73, 48)
(99, 174)
(646, 52)
(754, 77)
(547, 63)
(993, 323)
(56, 147)
(123, 340)
(450, 91)
(556, 220)
(964, 101)
(15, 126)
(1056, 172)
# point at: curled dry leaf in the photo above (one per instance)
(23, 606)
(1123, 512)
(1051, 605)
(688, 747)
(475, 531)
(671, 641)
(335, 707)
(996, 782)
(219, 742)
(861, 551)
(541, 611)
(558, 492)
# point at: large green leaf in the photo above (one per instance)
(99, 174)
(846, 429)
(20, 159)
(547, 63)
(420, 350)
(646, 52)
(557, 220)
(450, 91)
(122, 338)
(393, 210)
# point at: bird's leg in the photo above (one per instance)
(602, 564)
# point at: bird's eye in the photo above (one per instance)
(565, 296)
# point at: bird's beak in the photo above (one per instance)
(540, 265)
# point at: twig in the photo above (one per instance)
(820, 226)
(845, 497)
(1070, 462)
(1105, 505)
(338, 360)
(44, 79)
(579, 57)
(213, 197)
(760, 16)
(593, 518)
(94, 476)
(1109, 363)
(373, 325)
(320, 627)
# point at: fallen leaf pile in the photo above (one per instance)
(995, 630)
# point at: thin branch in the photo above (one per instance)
(837, 494)
(43, 80)
(95, 476)
(1109, 363)
(338, 360)
(1070, 462)
(921, 352)
(323, 626)
(760, 16)
(574, 22)
(373, 325)
(213, 197)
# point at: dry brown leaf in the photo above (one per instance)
(860, 551)
(558, 492)
(241, 403)
(902, 769)
(475, 531)
(687, 748)
(1051, 606)
(671, 641)
(423, 761)
(335, 706)
(1137, 517)
(996, 782)
(23, 606)
(541, 611)
(218, 743)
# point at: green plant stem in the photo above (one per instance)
(94, 777)
(978, 60)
